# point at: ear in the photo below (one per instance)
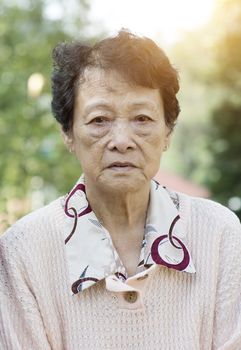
(68, 140)
(168, 137)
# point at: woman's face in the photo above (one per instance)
(118, 133)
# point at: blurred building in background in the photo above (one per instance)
(181, 184)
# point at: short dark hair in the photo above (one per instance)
(138, 59)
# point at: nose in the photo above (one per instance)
(121, 137)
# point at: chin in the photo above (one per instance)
(123, 184)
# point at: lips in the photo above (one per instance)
(121, 165)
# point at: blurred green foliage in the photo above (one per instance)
(225, 132)
(207, 142)
(30, 144)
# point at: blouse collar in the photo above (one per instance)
(90, 253)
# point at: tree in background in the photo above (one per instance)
(225, 119)
(207, 142)
(32, 153)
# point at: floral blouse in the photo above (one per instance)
(91, 255)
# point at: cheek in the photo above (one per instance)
(152, 151)
(158, 140)
(88, 149)
(83, 140)
(154, 143)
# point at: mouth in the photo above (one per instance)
(121, 166)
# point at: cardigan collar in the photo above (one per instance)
(90, 253)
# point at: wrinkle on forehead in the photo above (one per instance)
(95, 76)
(110, 80)
(101, 87)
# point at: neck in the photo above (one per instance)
(119, 212)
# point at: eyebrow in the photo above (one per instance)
(143, 104)
(103, 105)
(106, 105)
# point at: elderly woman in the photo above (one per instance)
(120, 262)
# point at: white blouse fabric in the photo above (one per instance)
(90, 252)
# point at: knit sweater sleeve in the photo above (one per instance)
(227, 323)
(21, 325)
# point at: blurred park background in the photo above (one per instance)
(203, 43)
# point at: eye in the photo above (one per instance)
(98, 120)
(142, 118)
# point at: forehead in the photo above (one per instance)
(98, 84)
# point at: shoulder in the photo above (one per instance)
(197, 209)
(34, 227)
(213, 212)
(213, 234)
(208, 216)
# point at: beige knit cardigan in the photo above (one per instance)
(181, 311)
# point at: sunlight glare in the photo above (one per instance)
(155, 18)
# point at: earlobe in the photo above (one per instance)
(167, 139)
(68, 140)
(168, 132)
